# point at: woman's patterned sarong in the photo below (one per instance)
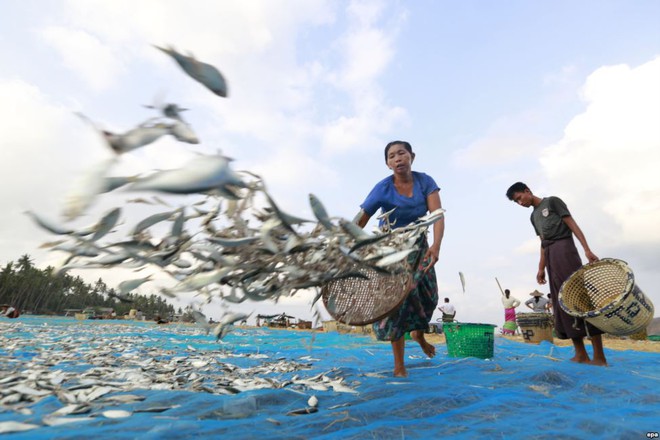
(417, 309)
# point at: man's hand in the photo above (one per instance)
(591, 256)
(540, 276)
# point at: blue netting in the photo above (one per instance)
(523, 392)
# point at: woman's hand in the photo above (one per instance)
(430, 258)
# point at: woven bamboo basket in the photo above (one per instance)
(367, 299)
(535, 327)
(604, 293)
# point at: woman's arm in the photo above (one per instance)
(362, 218)
(573, 226)
(433, 202)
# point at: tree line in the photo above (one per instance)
(37, 291)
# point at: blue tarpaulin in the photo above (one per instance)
(525, 391)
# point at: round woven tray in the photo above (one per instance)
(604, 293)
(360, 301)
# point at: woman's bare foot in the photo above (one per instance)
(418, 336)
(400, 372)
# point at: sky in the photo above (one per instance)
(562, 95)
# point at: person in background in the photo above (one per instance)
(537, 303)
(448, 311)
(510, 303)
(556, 227)
(10, 312)
(548, 306)
(410, 195)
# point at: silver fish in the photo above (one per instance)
(226, 322)
(203, 173)
(169, 110)
(142, 135)
(116, 414)
(353, 230)
(107, 222)
(57, 421)
(183, 132)
(129, 285)
(320, 213)
(11, 426)
(206, 74)
(152, 220)
(48, 225)
(135, 138)
(301, 411)
(72, 408)
(90, 185)
(197, 281)
(233, 242)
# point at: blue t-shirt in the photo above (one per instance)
(408, 209)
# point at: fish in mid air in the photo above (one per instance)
(204, 73)
(144, 134)
(203, 173)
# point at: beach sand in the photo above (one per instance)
(609, 342)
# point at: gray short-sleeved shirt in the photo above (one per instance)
(547, 219)
(537, 306)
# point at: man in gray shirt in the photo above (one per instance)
(555, 227)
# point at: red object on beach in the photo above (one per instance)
(14, 313)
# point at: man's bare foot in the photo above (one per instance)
(400, 372)
(581, 359)
(598, 362)
(581, 355)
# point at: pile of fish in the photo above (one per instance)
(93, 369)
(233, 242)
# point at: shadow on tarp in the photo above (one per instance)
(526, 391)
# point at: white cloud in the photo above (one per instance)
(43, 147)
(496, 149)
(39, 144)
(609, 156)
(96, 63)
(531, 246)
(365, 51)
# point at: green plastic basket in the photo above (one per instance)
(469, 340)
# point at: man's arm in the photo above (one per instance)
(540, 275)
(528, 303)
(573, 226)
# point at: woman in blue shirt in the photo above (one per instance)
(411, 195)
